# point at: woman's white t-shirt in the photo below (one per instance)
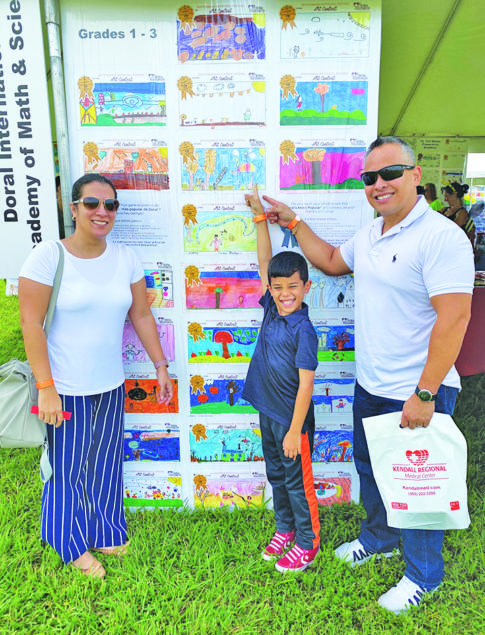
(85, 338)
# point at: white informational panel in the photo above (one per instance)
(186, 107)
(28, 212)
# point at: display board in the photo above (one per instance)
(186, 107)
(27, 182)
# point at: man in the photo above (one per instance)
(413, 284)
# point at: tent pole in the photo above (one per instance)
(60, 115)
(427, 62)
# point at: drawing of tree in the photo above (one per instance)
(232, 389)
(315, 157)
(192, 167)
(224, 338)
(322, 89)
(340, 340)
(344, 445)
(218, 292)
(209, 165)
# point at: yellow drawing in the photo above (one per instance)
(186, 16)
(199, 432)
(184, 84)
(288, 86)
(288, 15)
(196, 331)
(189, 212)
(91, 150)
(86, 100)
(197, 383)
(287, 149)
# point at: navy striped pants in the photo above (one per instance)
(82, 502)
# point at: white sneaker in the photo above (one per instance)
(403, 596)
(355, 553)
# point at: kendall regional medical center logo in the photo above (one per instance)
(416, 465)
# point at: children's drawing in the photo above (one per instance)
(322, 103)
(333, 446)
(159, 283)
(218, 394)
(141, 397)
(144, 443)
(221, 343)
(152, 488)
(233, 34)
(229, 490)
(332, 489)
(229, 167)
(235, 99)
(133, 101)
(222, 287)
(134, 355)
(333, 395)
(218, 228)
(336, 342)
(329, 292)
(129, 166)
(309, 35)
(320, 167)
(231, 443)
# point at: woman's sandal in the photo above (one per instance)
(118, 550)
(89, 567)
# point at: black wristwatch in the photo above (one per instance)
(425, 395)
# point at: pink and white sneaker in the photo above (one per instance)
(297, 559)
(278, 545)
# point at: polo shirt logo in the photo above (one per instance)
(394, 258)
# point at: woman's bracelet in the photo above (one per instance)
(44, 384)
(160, 363)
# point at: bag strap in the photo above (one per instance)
(55, 290)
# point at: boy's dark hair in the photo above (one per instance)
(285, 264)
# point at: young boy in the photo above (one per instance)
(279, 385)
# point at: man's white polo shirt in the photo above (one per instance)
(396, 274)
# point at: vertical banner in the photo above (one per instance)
(28, 211)
(186, 106)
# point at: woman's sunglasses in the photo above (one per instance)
(92, 203)
(389, 173)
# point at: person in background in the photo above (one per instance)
(79, 370)
(453, 193)
(60, 213)
(414, 276)
(432, 197)
(279, 385)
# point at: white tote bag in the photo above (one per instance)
(420, 473)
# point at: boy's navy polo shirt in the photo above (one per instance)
(285, 344)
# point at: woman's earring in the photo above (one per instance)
(74, 218)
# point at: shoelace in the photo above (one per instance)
(295, 553)
(278, 540)
(361, 554)
(416, 598)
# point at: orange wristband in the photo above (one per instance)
(44, 384)
(291, 225)
(261, 217)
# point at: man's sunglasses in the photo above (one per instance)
(91, 202)
(389, 173)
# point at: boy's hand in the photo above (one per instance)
(254, 202)
(292, 444)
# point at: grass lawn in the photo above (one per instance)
(201, 571)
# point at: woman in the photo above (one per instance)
(453, 193)
(79, 370)
(432, 198)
